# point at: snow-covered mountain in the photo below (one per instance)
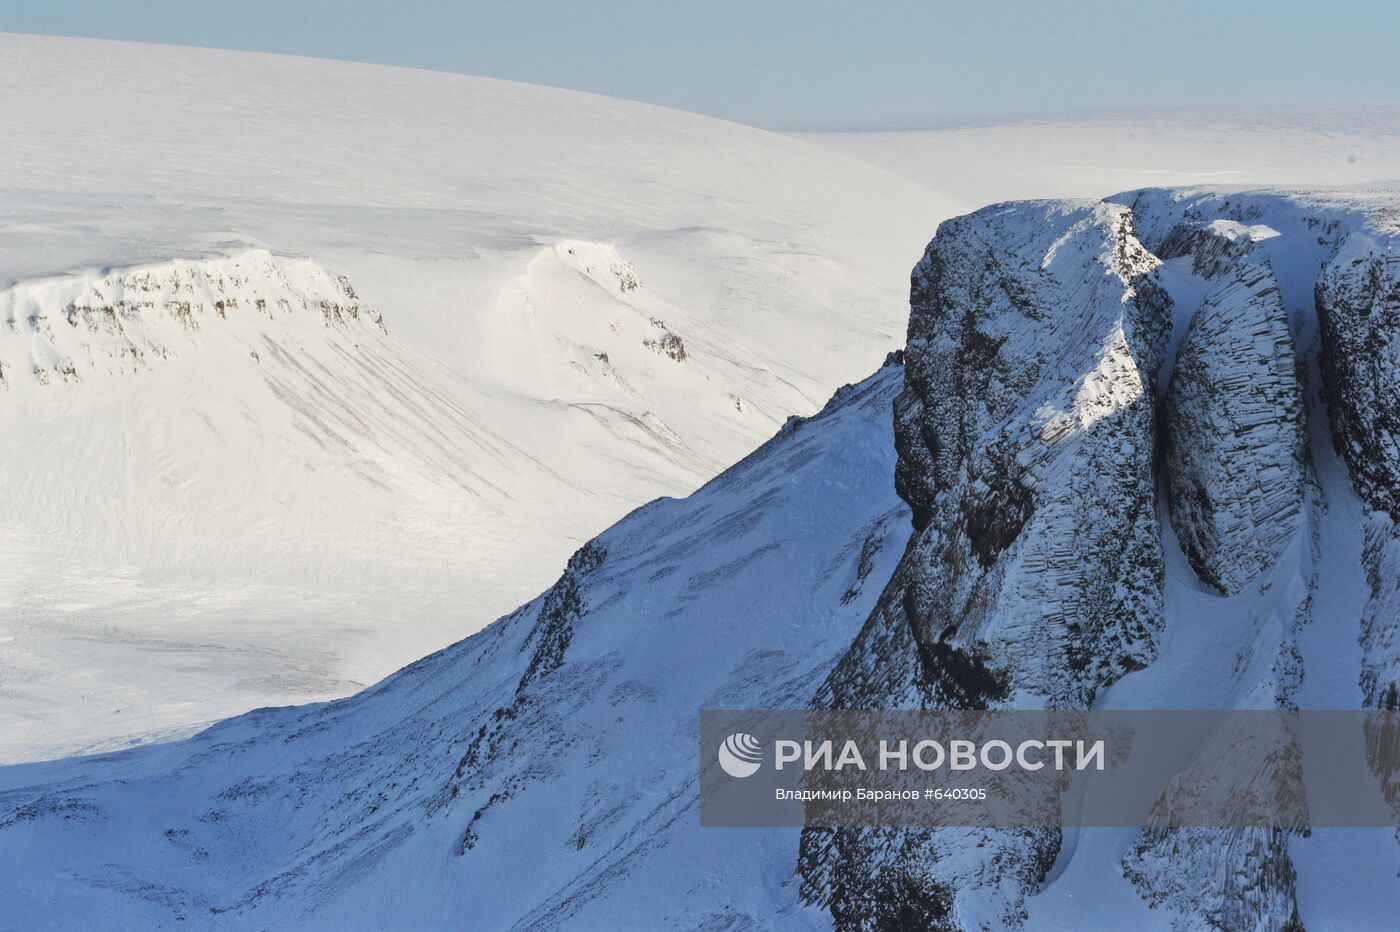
(1063, 559)
(215, 501)
(308, 368)
(1145, 458)
(540, 773)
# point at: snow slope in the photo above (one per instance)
(217, 497)
(540, 774)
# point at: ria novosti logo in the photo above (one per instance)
(741, 754)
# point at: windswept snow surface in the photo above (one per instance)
(1093, 156)
(540, 774)
(217, 494)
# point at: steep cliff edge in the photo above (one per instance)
(1091, 390)
(1358, 303)
(1235, 435)
(1025, 433)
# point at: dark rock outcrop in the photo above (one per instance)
(562, 606)
(1236, 447)
(1025, 445)
(1358, 308)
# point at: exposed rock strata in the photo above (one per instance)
(65, 328)
(1235, 440)
(1358, 306)
(1026, 444)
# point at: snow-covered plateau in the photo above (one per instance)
(309, 369)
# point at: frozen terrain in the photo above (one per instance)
(220, 494)
(1041, 552)
(1150, 466)
(221, 491)
(541, 773)
(1091, 156)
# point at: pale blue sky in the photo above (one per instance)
(790, 64)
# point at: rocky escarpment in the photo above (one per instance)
(1244, 881)
(562, 606)
(1026, 448)
(548, 641)
(1028, 399)
(1059, 374)
(68, 327)
(1235, 452)
(1358, 306)
(1241, 493)
(1358, 303)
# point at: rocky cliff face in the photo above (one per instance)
(112, 322)
(1358, 306)
(1026, 448)
(1234, 418)
(1026, 444)
(1065, 363)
